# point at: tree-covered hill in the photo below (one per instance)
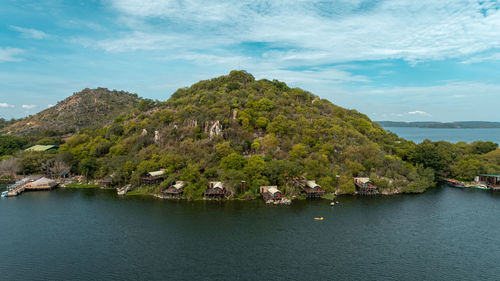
(235, 128)
(90, 108)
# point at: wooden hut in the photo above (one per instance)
(270, 193)
(492, 181)
(107, 182)
(175, 190)
(365, 187)
(313, 190)
(41, 184)
(155, 177)
(215, 189)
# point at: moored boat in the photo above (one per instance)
(481, 186)
(455, 184)
(4, 193)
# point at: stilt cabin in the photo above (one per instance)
(215, 190)
(151, 178)
(492, 181)
(365, 187)
(270, 193)
(41, 184)
(175, 190)
(313, 190)
(106, 182)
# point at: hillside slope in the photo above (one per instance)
(235, 128)
(90, 108)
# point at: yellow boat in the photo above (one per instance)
(319, 219)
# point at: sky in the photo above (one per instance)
(400, 60)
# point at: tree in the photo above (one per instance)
(10, 166)
(11, 144)
(427, 154)
(255, 167)
(269, 143)
(87, 167)
(298, 151)
(233, 161)
(482, 147)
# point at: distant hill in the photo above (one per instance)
(452, 125)
(90, 108)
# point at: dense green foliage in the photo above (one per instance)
(11, 144)
(234, 128)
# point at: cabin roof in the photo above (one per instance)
(217, 184)
(156, 173)
(362, 180)
(39, 147)
(484, 175)
(273, 190)
(312, 184)
(179, 184)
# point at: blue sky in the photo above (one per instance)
(393, 60)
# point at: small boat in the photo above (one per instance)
(319, 219)
(5, 193)
(455, 184)
(481, 186)
(332, 204)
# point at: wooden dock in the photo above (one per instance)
(27, 184)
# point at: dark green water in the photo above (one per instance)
(445, 234)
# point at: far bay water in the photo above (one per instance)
(444, 234)
(452, 135)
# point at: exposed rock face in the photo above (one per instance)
(157, 138)
(192, 123)
(144, 132)
(213, 128)
(235, 114)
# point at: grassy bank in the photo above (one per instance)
(81, 185)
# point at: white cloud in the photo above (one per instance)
(482, 58)
(28, 106)
(5, 105)
(9, 54)
(313, 32)
(449, 101)
(419, 112)
(30, 32)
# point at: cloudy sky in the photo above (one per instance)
(393, 60)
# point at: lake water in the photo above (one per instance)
(452, 135)
(444, 234)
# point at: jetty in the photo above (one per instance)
(29, 184)
(125, 189)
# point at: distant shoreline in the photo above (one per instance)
(442, 125)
